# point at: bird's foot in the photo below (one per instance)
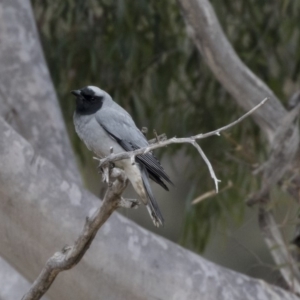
(107, 172)
(117, 173)
(129, 203)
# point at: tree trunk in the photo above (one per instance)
(28, 102)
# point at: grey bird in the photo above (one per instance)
(101, 124)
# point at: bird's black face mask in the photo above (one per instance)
(86, 102)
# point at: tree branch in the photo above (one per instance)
(70, 256)
(210, 168)
(190, 140)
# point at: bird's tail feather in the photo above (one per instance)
(152, 205)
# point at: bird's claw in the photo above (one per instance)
(129, 203)
(106, 171)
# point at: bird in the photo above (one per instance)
(102, 125)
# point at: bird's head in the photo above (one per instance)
(89, 99)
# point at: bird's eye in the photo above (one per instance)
(92, 99)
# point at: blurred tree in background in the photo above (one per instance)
(139, 52)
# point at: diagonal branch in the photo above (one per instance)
(70, 256)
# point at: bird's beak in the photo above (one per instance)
(76, 93)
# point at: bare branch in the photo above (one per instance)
(161, 138)
(174, 140)
(211, 193)
(247, 114)
(69, 256)
(190, 140)
(210, 168)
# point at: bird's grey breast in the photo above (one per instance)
(94, 136)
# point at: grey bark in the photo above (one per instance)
(12, 284)
(27, 98)
(40, 211)
(71, 255)
(244, 86)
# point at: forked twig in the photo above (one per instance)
(189, 140)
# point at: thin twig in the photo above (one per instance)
(161, 138)
(210, 168)
(211, 193)
(247, 114)
(174, 140)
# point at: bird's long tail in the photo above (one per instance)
(152, 205)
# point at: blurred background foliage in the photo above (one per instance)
(140, 53)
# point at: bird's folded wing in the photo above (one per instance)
(120, 126)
